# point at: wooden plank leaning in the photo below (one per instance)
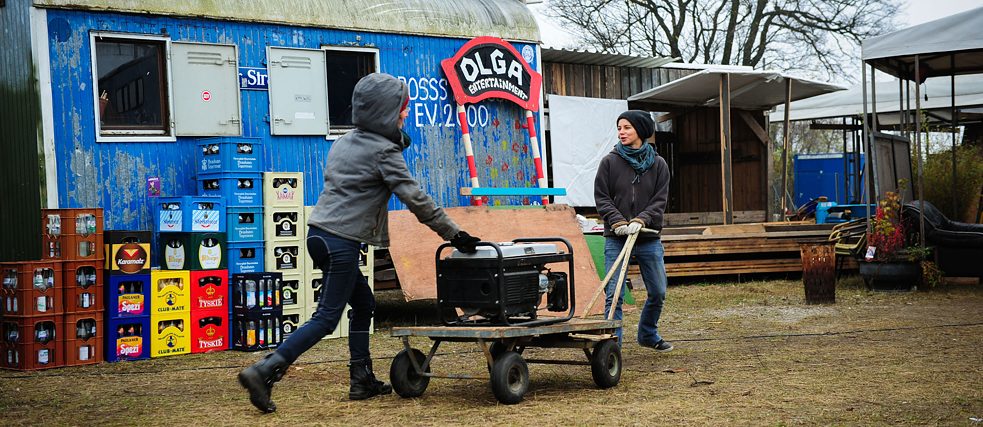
(621, 265)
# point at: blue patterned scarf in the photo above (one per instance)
(640, 159)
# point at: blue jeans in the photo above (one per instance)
(649, 255)
(343, 284)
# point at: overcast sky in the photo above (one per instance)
(915, 12)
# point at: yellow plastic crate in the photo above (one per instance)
(283, 189)
(170, 334)
(293, 292)
(284, 224)
(170, 291)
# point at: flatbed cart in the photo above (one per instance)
(502, 347)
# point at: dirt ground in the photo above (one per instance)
(749, 353)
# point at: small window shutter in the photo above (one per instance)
(298, 92)
(206, 90)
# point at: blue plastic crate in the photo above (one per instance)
(237, 155)
(246, 257)
(245, 224)
(128, 296)
(189, 214)
(239, 189)
(132, 344)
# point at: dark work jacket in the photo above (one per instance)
(619, 199)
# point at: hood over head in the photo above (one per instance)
(376, 103)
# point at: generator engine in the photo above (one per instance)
(502, 284)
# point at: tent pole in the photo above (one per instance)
(875, 186)
(725, 157)
(785, 145)
(918, 147)
(955, 123)
(867, 135)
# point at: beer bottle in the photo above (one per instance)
(121, 332)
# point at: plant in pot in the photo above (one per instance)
(891, 262)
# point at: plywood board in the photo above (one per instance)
(413, 245)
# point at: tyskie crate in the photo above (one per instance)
(257, 331)
(170, 291)
(256, 292)
(283, 189)
(128, 296)
(238, 189)
(246, 257)
(83, 339)
(229, 155)
(244, 224)
(32, 343)
(210, 330)
(31, 288)
(170, 334)
(127, 339)
(192, 251)
(127, 252)
(284, 223)
(190, 214)
(210, 290)
(83, 283)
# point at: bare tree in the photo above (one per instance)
(815, 37)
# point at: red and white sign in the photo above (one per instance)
(489, 67)
(206, 96)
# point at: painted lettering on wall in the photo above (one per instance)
(431, 104)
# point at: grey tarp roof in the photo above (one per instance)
(960, 35)
(750, 90)
(570, 56)
(849, 103)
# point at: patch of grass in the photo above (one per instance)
(746, 353)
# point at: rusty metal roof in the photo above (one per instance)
(569, 56)
(506, 19)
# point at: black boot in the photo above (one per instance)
(259, 379)
(363, 382)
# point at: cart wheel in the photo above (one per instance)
(605, 364)
(406, 381)
(510, 378)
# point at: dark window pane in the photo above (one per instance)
(132, 85)
(344, 70)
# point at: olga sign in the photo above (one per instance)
(489, 67)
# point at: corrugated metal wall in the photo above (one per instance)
(113, 175)
(20, 124)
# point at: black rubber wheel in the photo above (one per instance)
(605, 364)
(510, 378)
(406, 381)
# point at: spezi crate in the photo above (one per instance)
(245, 224)
(83, 286)
(210, 290)
(246, 257)
(283, 189)
(192, 251)
(210, 331)
(239, 189)
(170, 291)
(127, 252)
(128, 296)
(127, 339)
(31, 288)
(256, 292)
(189, 213)
(229, 155)
(170, 334)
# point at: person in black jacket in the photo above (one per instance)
(630, 191)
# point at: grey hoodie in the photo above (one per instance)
(366, 166)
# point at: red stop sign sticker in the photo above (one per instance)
(206, 96)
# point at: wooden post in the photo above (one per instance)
(462, 118)
(867, 137)
(785, 145)
(725, 156)
(918, 149)
(534, 142)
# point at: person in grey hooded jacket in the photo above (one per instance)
(364, 168)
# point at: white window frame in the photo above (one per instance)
(124, 135)
(335, 131)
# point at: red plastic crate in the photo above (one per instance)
(83, 283)
(68, 223)
(32, 343)
(31, 288)
(73, 247)
(210, 290)
(83, 339)
(209, 330)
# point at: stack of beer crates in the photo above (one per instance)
(232, 167)
(284, 229)
(52, 308)
(189, 293)
(127, 295)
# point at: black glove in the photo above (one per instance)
(464, 242)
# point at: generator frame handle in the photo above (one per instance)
(501, 278)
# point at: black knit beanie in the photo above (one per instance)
(641, 121)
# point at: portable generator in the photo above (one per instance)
(505, 283)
